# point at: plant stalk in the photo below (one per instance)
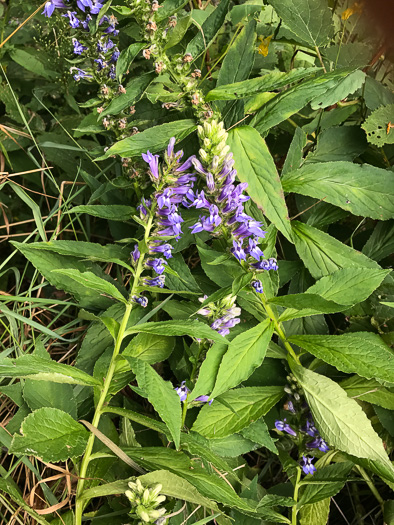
(294, 509)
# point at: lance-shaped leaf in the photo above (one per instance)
(255, 165)
(40, 369)
(247, 405)
(111, 212)
(161, 394)
(361, 189)
(134, 90)
(186, 327)
(363, 353)
(245, 353)
(332, 479)
(89, 280)
(50, 434)
(342, 422)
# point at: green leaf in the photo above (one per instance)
(161, 394)
(368, 390)
(126, 57)
(258, 432)
(323, 254)
(325, 482)
(9, 486)
(227, 271)
(361, 189)
(339, 143)
(178, 32)
(247, 405)
(208, 30)
(153, 139)
(39, 369)
(209, 370)
(316, 513)
(89, 280)
(50, 434)
(37, 63)
(134, 90)
(310, 20)
(185, 327)
(150, 348)
(304, 304)
(342, 422)
(33, 206)
(381, 242)
(111, 212)
(255, 166)
(377, 126)
(46, 262)
(245, 353)
(294, 156)
(285, 104)
(345, 87)
(363, 353)
(50, 394)
(268, 82)
(168, 8)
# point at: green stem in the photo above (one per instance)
(371, 486)
(294, 509)
(80, 504)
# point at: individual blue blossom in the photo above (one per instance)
(115, 55)
(74, 21)
(50, 7)
(112, 72)
(78, 47)
(253, 249)
(210, 182)
(156, 281)
(96, 7)
(200, 200)
(170, 218)
(104, 46)
(157, 265)
(203, 399)
(80, 73)
(257, 285)
(238, 251)
(85, 23)
(82, 4)
(153, 161)
(143, 208)
(264, 264)
(310, 428)
(101, 63)
(165, 249)
(307, 465)
(164, 198)
(282, 426)
(135, 254)
(290, 407)
(319, 443)
(182, 391)
(142, 301)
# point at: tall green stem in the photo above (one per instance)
(294, 509)
(80, 503)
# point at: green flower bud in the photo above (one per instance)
(143, 514)
(156, 490)
(146, 497)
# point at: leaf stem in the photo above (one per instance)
(294, 509)
(371, 486)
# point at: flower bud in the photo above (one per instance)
(203, 154)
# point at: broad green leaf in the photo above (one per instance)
(284, 105)
(361, 189)
(89, 280)
(37, 63)
(168, 8)
(150, 348)
(50, 434)
(153, 139)
(295, 154)
(255, 166)
(208, 30)
(245, 353)
(268, 82)
(248, 404)
(381, 243)
(222, 275)
(9, 486)
(46, 262)
(232, 446)
(111, 212)
(339, 143)
(316, 513)
(363, 353)
(377, 126)
(186, 327)
(345, 87)
(178, 32)
(310, 20)
(304, 304)
(208, 370)
(87, 250)
(368, 390)
(323, 254)
(258, 432)
(325, 483)
(161, 394)
(184, 280)
(134, 90)
(342, 422)
(39, 369)
(353, 54)
(126, 57)
(50, 394)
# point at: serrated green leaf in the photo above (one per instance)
(361, 189)
(316, 513)
(368, 390)
(50, 434)
(161, 394)
(258, 432)
(245, 353)
(255, 166)
(150, 348)
(39, 369)
(377, 126)
(50, 394)
(325, 482)
(185, 327)
(341, 421)
(134, 90)
(363, 353)
(208, 370)
(248, 404)
(111, 212)
(126, 57)
(345, 87)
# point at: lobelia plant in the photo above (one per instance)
(226, 352)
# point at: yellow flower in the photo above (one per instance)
(357, 7)
(263, 47)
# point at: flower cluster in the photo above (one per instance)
(302, 427)
(145, 502)
(224, 201)
(223, 314)
(183, 392)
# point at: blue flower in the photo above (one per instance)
(143, 207)
(319, 443)
(182, 391)
(156, 281)
(265, 264)
(80, 74)
(257, 285)
(84, 3)
(238, 251)
(95, 8)
(165, 249)
(78, 47)
(142, 301)
(307, 466)
(115, 55)
(135, 253)
(74, 21)
(157, 265)
(254, 250)
(51, 6)
(282, 426)
(153, 161)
